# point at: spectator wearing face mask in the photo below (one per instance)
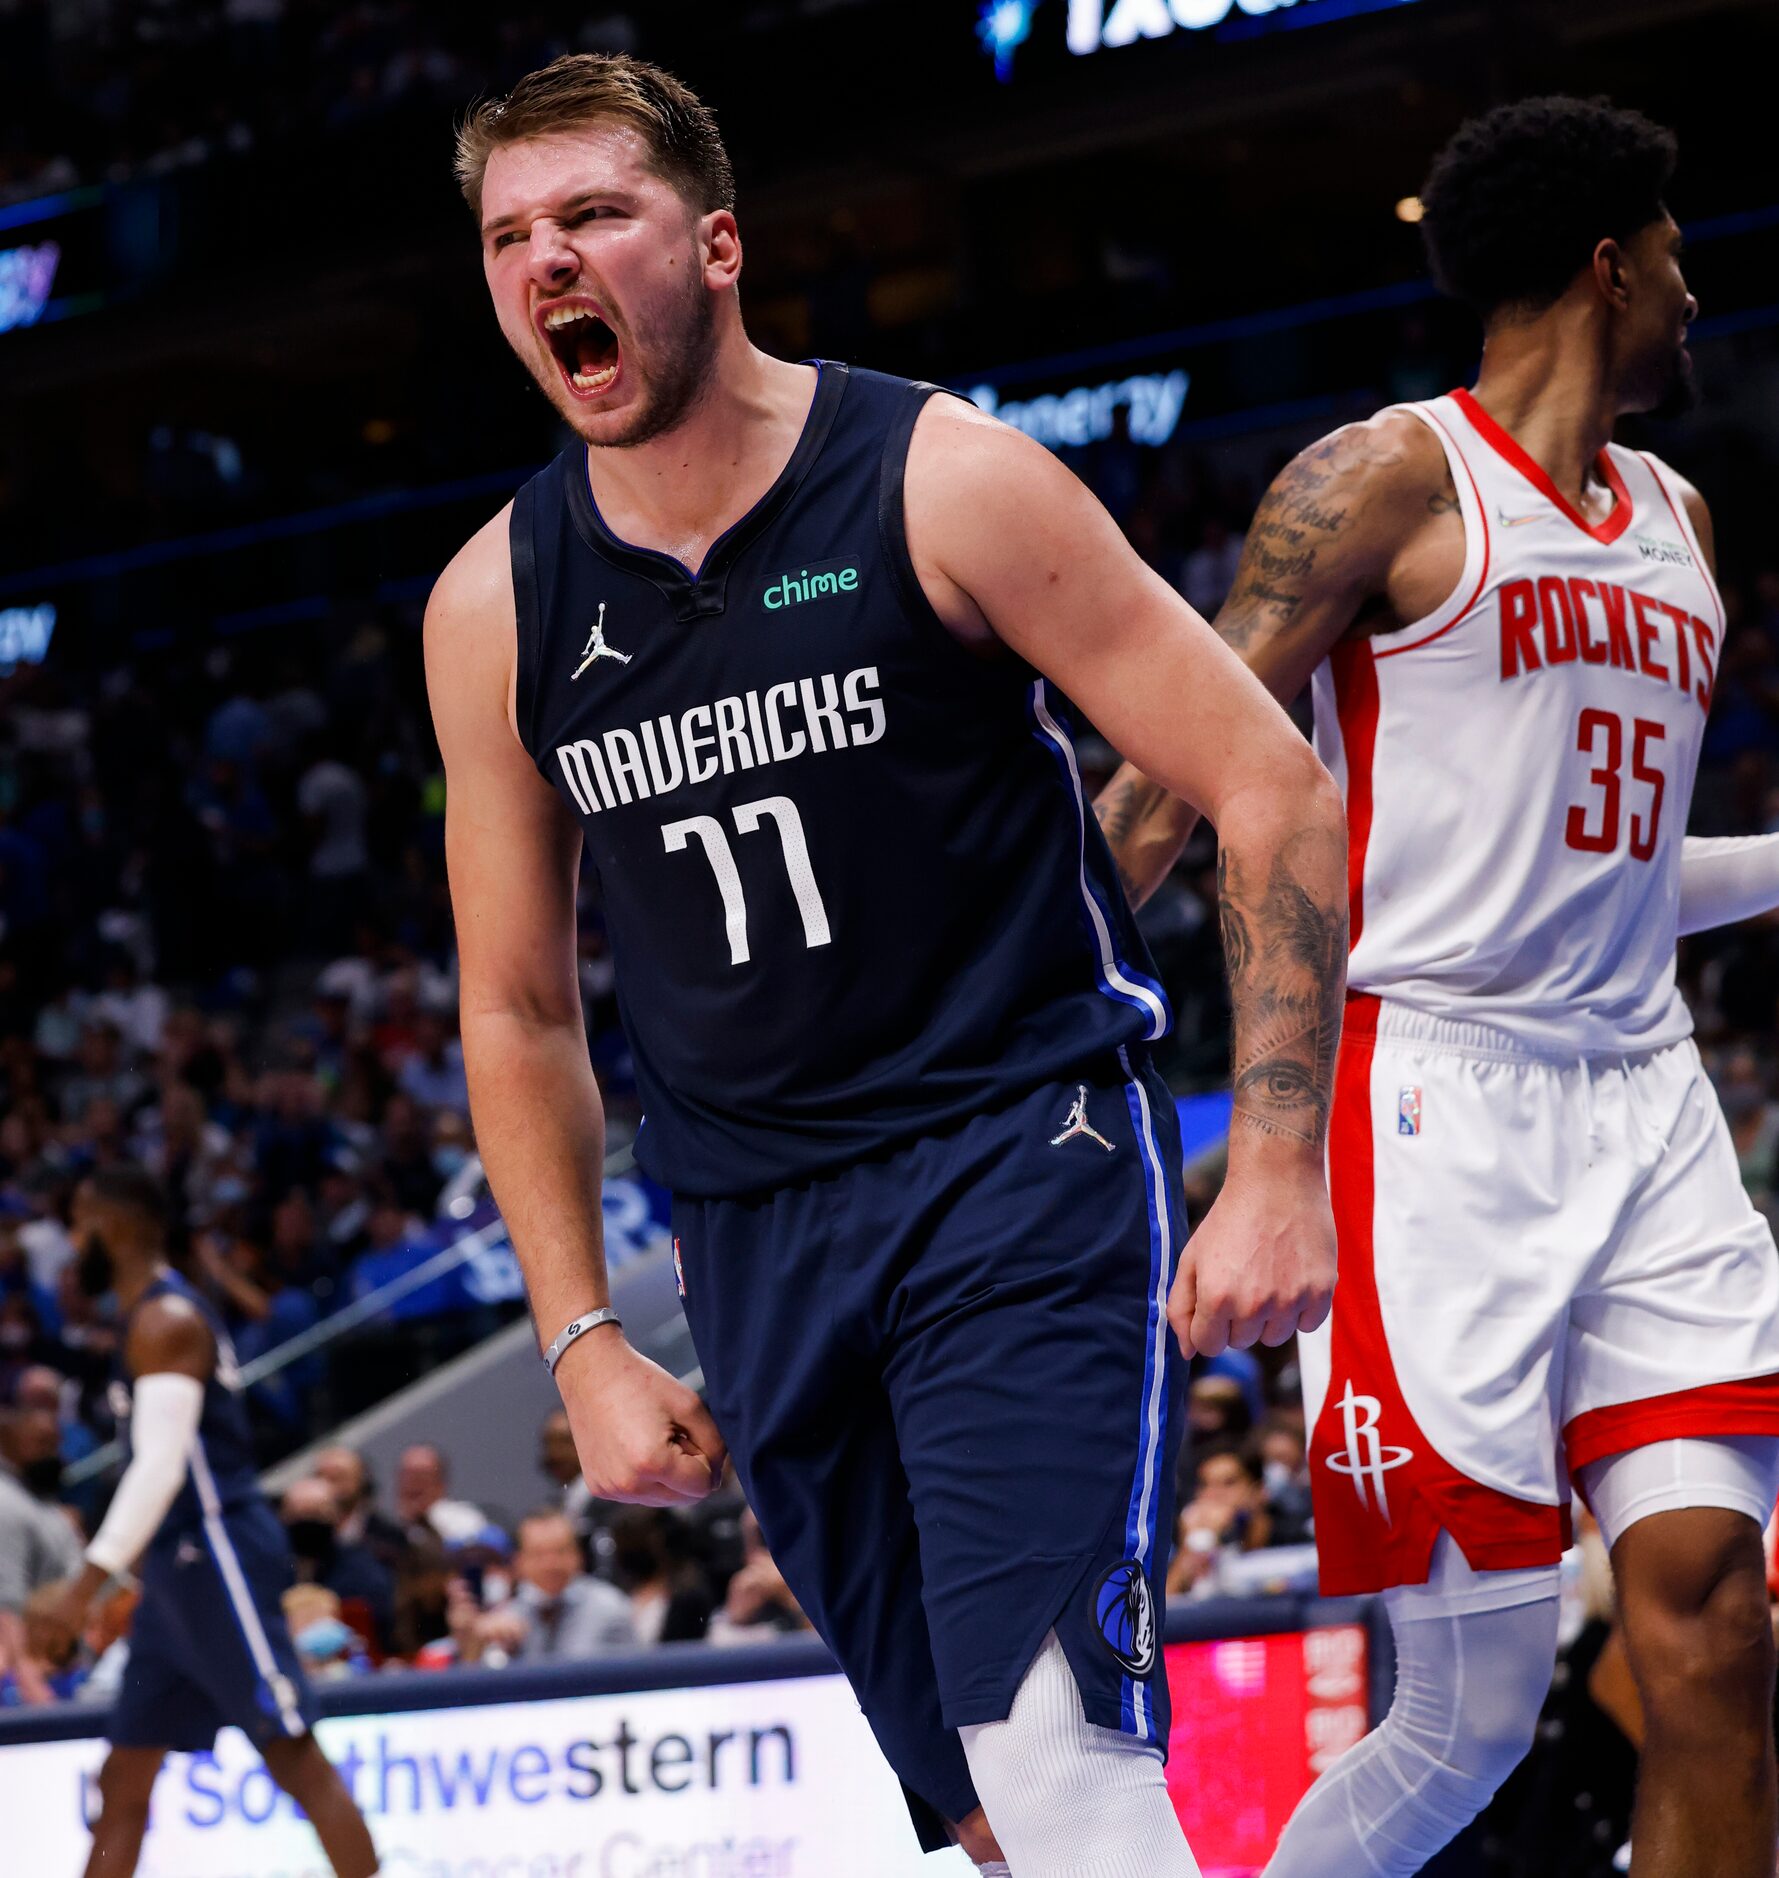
(422, 1503)
(38, 1543)
(363, 1589)
(329, 1646)
(564, 1611)
(1286, 1456)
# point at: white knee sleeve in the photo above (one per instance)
(1469, 1687)
(1065, 1799)
(1740, 1472)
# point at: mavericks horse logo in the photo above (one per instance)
(1124, 1609)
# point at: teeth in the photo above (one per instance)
(559, 316)
(594, 381)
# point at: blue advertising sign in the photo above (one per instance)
(636, 1214)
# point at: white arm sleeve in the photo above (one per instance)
(1726, 879)
(163, 1426)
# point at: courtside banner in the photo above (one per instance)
(770, 1779)
(753, 1780)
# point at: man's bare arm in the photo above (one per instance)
(1318, 551)
(512, 849)
(1006, 540)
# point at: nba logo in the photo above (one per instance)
(679, 1271)
(1408, 1111)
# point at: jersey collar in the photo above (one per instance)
(1618, 517)
(702, 595)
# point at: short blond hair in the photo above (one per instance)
(583, 88)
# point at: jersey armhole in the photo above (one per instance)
(1659, 472)
(892, 519)
(527, 617)
(1475, 572)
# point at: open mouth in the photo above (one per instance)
(586, 348)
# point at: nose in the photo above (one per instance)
(1692, 309)
(551, 260)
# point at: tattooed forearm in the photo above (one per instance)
(1145, 828)
(1285, 945)
(1123, 803)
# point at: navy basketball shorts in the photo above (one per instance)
(209, 1644)
(949, 1387)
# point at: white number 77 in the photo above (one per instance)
(783, 813)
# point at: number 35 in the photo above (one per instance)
(1600, 736)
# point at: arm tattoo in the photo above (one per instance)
(1286, 953)
(1444, 501)
(1309, 504)
(1122, 808)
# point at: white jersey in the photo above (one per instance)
(1518, 766)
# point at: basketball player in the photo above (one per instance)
(1549, 1268)
(780, 646)
(208, 1644)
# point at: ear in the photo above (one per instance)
(1609, 275)
(720, 243)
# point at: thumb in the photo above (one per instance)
(703, 1438)
(679, 1475)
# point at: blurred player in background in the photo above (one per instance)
(1549, 1266)
(209, 1644)
(776, 645)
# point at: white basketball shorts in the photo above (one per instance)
(1543, 1261)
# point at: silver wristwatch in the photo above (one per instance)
(589, 1320)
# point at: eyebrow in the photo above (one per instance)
(567, 206)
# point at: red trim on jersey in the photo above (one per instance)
(1382, 1493)
(1504, 445)
(1356, 704)
(1690, 536)
(1717, 1408)
(1393, 650)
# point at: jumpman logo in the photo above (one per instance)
(596, 648)
(1365, 1458)
(1078, 1124)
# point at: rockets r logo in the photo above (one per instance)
(1365, 1458)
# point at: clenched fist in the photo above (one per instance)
(1261, 1267)
(641, 1435)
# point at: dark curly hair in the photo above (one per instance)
(1516, 202)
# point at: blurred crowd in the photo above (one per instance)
(423, 1580)
(107, 89)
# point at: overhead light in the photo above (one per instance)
(1410, 209)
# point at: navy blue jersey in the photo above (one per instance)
(853, 889)
(221, 1475)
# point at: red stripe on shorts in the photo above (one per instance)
(1717, 1408)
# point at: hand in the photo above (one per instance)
(1203, 1516)
(1261, 1267)
(73, 1608)
(642, 1436)
(501, 1630)
(758, 1585)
